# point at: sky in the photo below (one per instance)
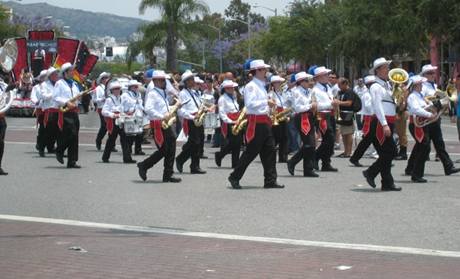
(130, 8)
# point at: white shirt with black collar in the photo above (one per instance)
(279, 99)
(256, 97)
(382, 100)
(324, 96)
(132, 102)
(63, 91)
(429, 88)
(156, 104)
(416, 105)
(302, 99)
(111, 106)
(191, 103)
(227, 104)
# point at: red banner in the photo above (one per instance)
(67, 50)
(21, 61)
(42, 36)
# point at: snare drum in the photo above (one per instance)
(133, 126)
(211, 121)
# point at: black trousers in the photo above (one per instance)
(110, 144)
(191, 149)
(2, 138)
(307, 150)
(52, 131)
(166, 151)
(43, 140)
(419, 154)
(435, 134)
(68, 138)
(363, 145)
(387, 152)
(263, 145)
(231, 145)
(137, 140)
(280, 132)
(102, 129)
(326, 149)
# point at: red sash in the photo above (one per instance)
(252, 121)
(185, 126)
(157, 132)
(109, 124)
(379, 130)
(418, 131)
(366, 124)
(224, 127)
(305, 126)
(60, 117)
(323, 121)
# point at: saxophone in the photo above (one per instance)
(281, 116)
(199, 117)
(172, 118)
(240, 123)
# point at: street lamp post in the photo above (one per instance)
(267, 8)
(249, 33)
(220, 48)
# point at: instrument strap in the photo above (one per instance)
(279, 98)
(163, 95)
(233, 101)
(191, 94)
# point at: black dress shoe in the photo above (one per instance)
(329, 168)
(235, 183)
(419, 180)
(114, 150)
(203, 157)
(172, 179)
(407, 172)
(41, 153)
(140, 153)
(179, 166)
(369, 179)
(274, 185)
(452, 171)
(74, 166)
(291, 168)
(197, 171)
(105, 160)
(218, 159)
(391, 188)
(316, 165)
(60, 157)
(142, 172)
(310, 174)
(2, 172)
(356, 163)
(129, 161)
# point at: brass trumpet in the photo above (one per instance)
(240, 123)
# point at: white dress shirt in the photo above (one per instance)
(429, 89)
(382, 100)
(416, 105)
(191, 103)
(227, 104)
(132, 102)
(256, 97)
(361, 90)
(100, 95)
(47, 95)
(63, 92)
(302, 99)
(36, 95)
(279, 99)
(156, 104)
(366, 104)
(111, 105)
(324, 97)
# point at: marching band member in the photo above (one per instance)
(229, 111)
(100, 96)
(382, 127)
(360, 89)
(322, 94)
(207, 101)
(132, 104)
(68, 122)
(3, 126)
(259, 136)
(37, 98)
(434, 129)
(416, 105)
(191, 104)
(50, 109)
(366, 112)
(157, 110)
(111, 111)
(304, 121)
(280, 131)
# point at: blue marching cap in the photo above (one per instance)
(247, 64)
(411, 74)
(311, 70)
(149, 73)
(292, 80)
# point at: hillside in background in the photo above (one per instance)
(83, 24)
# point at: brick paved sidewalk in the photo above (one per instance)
(37, 250)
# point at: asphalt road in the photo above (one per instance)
(337, 207)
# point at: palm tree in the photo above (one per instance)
(175, 22)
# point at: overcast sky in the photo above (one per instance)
(131, 7)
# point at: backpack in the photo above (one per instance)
(356, 105)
